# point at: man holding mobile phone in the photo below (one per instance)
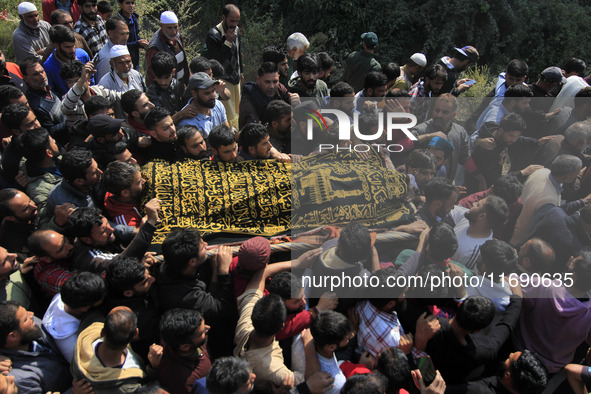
(460, 60)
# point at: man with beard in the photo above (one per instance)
(18, 118)
(136, 105)
(162, 135)
(473, 227)
(521, 372)
(224, 44)
(118, 32)
(129, 283)
(508, 141)
(428, 86)
(19, 215)
(45, 103)
(375, 88)
(54, 253)
(442, 125)
(168, 39)
(307, 83)
(254, 143)
(210, 111)
(13, 286)
(460, 60)
(277, 117)
(106, 132)
(124, 184)
(35, 365)
(61, 17)
(223, 144)
(122, 77)
(298, 318)
(184, 357)
(91, 26)
(257, 95)
(41, 153)
(96, 245)
(31, 37)
(516, 99)
(65, 50)
(192, 143)
(279, 57)
(440, 198)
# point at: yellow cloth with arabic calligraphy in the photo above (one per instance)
(252, 197)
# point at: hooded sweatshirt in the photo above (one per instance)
(62, 326)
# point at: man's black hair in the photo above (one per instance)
(496, 211)
(500, 257)
(421, 160)
(366, 383)
(394, 365)
(83, 289)
(517, 68)
(59, 34)
(119, 329)
(56, 16)
(129, 100)
(82, 2)
(354, 243)
(398, 93)
(512, 122)
(113, 22)
(251, 134)
(386, 278)
(275, 110)
(177, 326)
(574, 65)
(156, 114)
(8, 320)
(118, 176)
(185, 132)
(274, 54)
(34, 143)
(442, 242)
(227, 375)
(217, 70)
(123, 274)
(96, 103)
(162, 64)
(529, 374)
(83, 220)
(74, 164)
(508, 187)
(6, 195)
(267, 68)
(268, 315)
(28, 62)
(104, 6)
(518, 91)
(435, 71)
(71, 69)
(220, 136)
(199, 65)
(582, 271)
(330, 328)
(439, 189)
(392, 71)
(14, 114)
(475, 313)
(325, 61)
(180, 246)
(374, 79)
(8, 93)
(284, 284)
(307, 62)
(340, 89)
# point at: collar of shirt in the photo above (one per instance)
(557, 185)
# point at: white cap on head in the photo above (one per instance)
(118, 50)
(419, 59)
(25, 7)
(168, 17)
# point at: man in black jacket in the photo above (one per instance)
(180, 284)
(224, 44)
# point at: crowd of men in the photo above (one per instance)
(503, 197)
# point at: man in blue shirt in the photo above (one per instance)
(65, 50)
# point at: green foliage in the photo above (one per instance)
(469, 100)
(258, 33)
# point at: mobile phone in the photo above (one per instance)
(470, 82)
(427, 370)
(95, 58)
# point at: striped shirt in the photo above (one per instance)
(95, 36)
